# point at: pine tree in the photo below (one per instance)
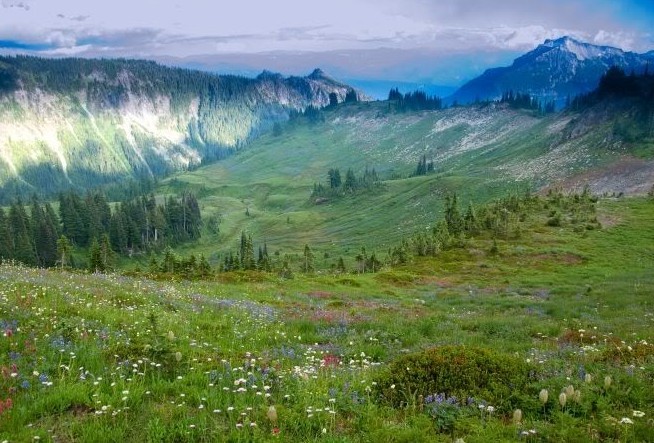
(373, 264)
(5, 247)
(203, 268)
(340, 267)
(154, 265)
(106, 253)
(470, 221)
(350, 181)
(117, 233)
(362, 260)
(307, 260)
(265, 264)
(442, 235)
(19, 233)
(95, 257)
(45, 242)
(170, 262)
(64, 250)
(453, 216)
(334, 176)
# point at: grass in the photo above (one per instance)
(480, 152)
(118, 358)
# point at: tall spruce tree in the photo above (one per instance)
(21, 240)
(64, 251)
(307, 260)
(5, 247)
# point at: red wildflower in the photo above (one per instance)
(331, 360)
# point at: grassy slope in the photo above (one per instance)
(531, 300)
(480, 153)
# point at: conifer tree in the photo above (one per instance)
(64, 250)
(350, 181)
(203, 268)
(5, 248)
(453, 216)
(19, 233)
(117, 233)
(95, 257)
(471, 223)
(106, 253)
(362, 260)
(307, 260)
(340, 267)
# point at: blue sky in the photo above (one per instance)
(431, 41)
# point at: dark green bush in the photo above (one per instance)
(458, 371)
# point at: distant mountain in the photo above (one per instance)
(80, 123)
(553, 71)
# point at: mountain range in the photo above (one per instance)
(80, 123)
(555, 71)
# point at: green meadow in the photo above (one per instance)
(542, 336)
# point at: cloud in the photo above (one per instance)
(18, 5)
(624, 40)
(77, 18)
(374, 33)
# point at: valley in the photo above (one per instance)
(188, 257)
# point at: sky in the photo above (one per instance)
(431, 41)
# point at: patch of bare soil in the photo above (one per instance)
(628, 176)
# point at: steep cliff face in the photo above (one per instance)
(82, 123)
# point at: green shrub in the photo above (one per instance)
(554, 220)
(454, 371)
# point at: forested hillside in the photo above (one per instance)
(80, 123)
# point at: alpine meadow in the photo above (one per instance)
(190, 252)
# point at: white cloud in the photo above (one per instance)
(192, 28)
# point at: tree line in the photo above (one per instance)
(41, 237)
(413, 101)
(520, 100)
(615, 83)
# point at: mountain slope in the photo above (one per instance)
(553, 71)
(75, 122)
(479, 152)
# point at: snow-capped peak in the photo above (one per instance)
(581, 50)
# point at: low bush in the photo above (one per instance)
(455, 371)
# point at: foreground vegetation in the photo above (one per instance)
(538, 335)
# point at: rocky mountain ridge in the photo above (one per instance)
(75, 122)
(555, 71)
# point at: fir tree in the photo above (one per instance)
(340, 266)
(203, 268)
(64, 251)
(453, 216)
(22, 248)
(350, 181)
(95, 257)
(307, 260)
(362, 260)
(5, 248)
